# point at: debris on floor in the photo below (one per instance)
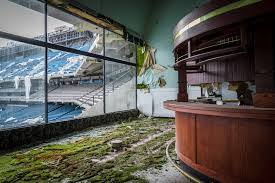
(113, 154)
(167, 174)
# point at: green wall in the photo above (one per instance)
(159, 31)
(131, 13)
(154, 20)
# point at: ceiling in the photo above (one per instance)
(130, 13)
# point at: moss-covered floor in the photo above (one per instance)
(91, 158)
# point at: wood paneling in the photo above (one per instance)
(255, 151)
(185, 134)
(238, 15)
(264, 55)
(228, 148)
(182, 94)
(266, 100)
(236, 69)
(215, 143)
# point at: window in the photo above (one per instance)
(24, 18)
(75, 86)
(120, 88)
(70, 31)
(21, 84)
(117, 47)
(86, 76)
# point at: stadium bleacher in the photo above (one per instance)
(11, 115)
(67, 98)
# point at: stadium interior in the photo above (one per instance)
(154, 91)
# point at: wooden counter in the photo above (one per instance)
(226, 143)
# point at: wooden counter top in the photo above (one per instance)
(250, 112)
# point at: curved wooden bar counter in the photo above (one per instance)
(226, 143)
(227, 41)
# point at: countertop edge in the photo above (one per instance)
(222, 110)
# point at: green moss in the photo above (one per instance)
(55, 162)
(58, 147)
(143, 86)
(141, 158)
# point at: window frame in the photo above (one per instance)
(47, 45)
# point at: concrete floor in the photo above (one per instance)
(167, 174)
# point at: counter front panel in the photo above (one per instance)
(231, 147)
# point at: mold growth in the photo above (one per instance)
(92, 158)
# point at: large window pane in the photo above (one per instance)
(21, 84)
(75, 82)
(75, 88)
(23, 18)
(120, 87)
(119, 48)
(67, 30)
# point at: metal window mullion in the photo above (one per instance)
(60, 48)
(273, 45)
(136, 76)
(104, 74)
(46, 62)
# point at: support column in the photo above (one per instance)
(264, 47)
(182, 95)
